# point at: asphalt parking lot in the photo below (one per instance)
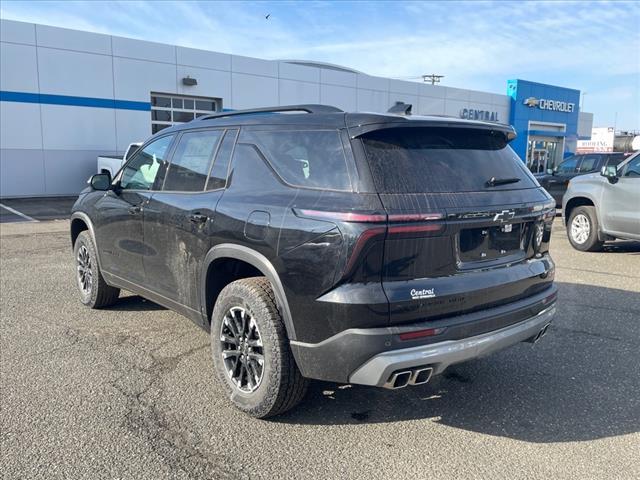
(129, 392)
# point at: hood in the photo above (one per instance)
(587, 177)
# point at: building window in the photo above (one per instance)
(167, 110)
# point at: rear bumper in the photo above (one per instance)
(339, 357)
(377, 370)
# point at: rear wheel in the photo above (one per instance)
(251, 351)
(94, 291)
(582, 229)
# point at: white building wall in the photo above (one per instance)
(51, 149)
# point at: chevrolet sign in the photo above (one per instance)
(554, 105)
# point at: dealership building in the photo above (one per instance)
(68, 96)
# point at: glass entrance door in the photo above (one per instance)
(539, 160)
(543, 153)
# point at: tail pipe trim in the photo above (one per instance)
(414, 376)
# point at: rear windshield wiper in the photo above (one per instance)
(493, 182)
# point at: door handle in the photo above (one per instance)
(198, 218)
(135, 209)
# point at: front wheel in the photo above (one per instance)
(251, 351)
(582, 229)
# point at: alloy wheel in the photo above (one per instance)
(242, 349)
(85, 274)
(580, 228)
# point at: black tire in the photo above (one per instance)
(280, 386)
(98, 294)
(582, 229)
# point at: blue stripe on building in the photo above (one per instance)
(47, 99)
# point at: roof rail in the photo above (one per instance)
(310, 108)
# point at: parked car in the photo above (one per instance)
(604, 206)
(112, 163)
(375, 249)
(555, 180)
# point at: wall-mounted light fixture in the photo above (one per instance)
(189, 82)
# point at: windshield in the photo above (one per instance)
(417, 160)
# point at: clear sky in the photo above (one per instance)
(590, 46)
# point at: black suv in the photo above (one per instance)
(556, 180)
(376, 249)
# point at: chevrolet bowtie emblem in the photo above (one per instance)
(531, 102)
(504, 216)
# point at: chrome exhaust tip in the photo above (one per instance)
(398, 380)
(539, 335)
(543, 332)
(421, 376)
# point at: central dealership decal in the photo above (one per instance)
(473, 114)
(424, 293)
(554, 105)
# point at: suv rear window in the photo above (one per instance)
(306, 158)
(435, 159)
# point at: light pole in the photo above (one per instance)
(582, 94)
(433, 78)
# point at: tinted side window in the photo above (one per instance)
(140, 172)
(569, 165)
(309, 158)
(218, 175)
(589, 163)
(632, 169)
(190, 163)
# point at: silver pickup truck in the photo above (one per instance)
(112, 163)
(604, 206)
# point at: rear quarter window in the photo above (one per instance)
(306, 158)
(442, 160)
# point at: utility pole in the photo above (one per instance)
(433, 78)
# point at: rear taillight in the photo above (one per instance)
(361, 217)
(395, 224)
(362, 240)
(352, 217)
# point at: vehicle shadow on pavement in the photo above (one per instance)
(135, 303)
(622, 246)
(579, 383)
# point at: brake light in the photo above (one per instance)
(356, 217)
(343, 216)
(412, 223)
(360, 243)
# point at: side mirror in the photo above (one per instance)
(101, 181)
(610, 172)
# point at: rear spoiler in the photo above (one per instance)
(446, 122)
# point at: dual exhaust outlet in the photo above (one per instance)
(421, 375)
(414, 376)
